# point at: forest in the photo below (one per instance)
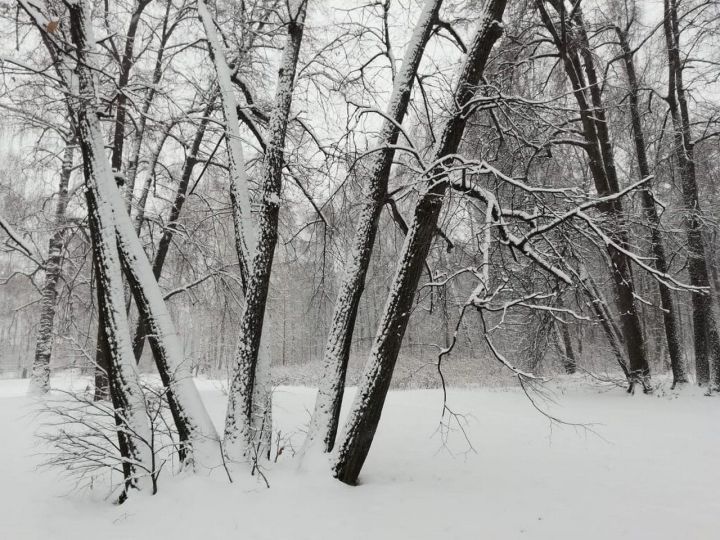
(237, 238)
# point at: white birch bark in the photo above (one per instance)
(40, 377)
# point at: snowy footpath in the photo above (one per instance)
(649, 469)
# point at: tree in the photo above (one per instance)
(573, 46)
(672, 331)
(359, 430)
(239, 439)
(326, 416)
(707, 340)
(40, 378)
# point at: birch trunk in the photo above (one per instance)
(325, 419)
(359, 430)
(40, 377)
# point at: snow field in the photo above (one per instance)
(649, 469)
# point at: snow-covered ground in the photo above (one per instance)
(651, 469)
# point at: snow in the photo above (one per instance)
(650, 472)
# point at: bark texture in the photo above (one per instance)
(359, 430)
(573, 46)
(325, 419)
(40, 377)
(239, 433)
(707, 340)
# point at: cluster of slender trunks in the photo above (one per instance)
(123, 274)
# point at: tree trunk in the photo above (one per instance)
(359, 430)
(325, 419)
(599, 306)
(128, 401)
(126, 64)
(569, 360)
(134, 159)
(672, 333)
(707, 341)
(40, 378)
(198, 435)
(239, 436)
(574, 49)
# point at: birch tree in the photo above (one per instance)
(40, 377)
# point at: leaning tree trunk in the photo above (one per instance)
(133, 429)
(239, 184)
(707, 341)
(126, 64)
(574, 49)
(599, 307)
(359, 430)
(324, 422)
(40, 378)
(200, 444)
(239, 436)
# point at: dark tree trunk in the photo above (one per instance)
(672, 333)
(360, 428)
(134, 158)
(131, 418)
(126, 64)
(599, 306)
(102, 366)
(707, 341)
(238, 430)
(574, 49)
(324, 423)
(569, 360)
